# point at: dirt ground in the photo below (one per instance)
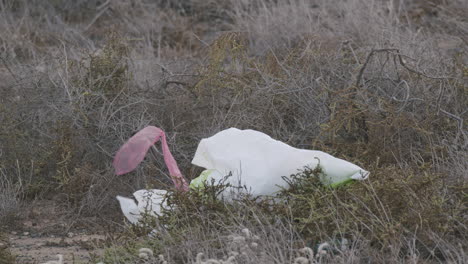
(38, 249)
(43, 232)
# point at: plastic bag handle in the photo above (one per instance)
(132, 153)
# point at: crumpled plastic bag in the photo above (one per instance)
(129, 156)
(150, 202)
(258, 162)
(132, 153)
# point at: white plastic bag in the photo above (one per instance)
(258, 162)
(149, 201)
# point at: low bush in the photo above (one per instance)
(379, 83)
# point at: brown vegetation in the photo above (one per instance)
(380, 83)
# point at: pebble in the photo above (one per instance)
(3, 245)
(70, 235)
(13, 233)
(26, 234)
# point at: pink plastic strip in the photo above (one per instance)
(132, 153)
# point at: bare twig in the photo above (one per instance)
(97, 16)
(361, 71)
(9, 70)
(399, 56)
(103, 5)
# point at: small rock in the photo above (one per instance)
(13, 233)
(26, 234)
(70, 235)
(3, 245)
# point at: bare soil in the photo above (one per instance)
(44, 231)
(76, 249)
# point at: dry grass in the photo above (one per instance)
(381, 83)
(11, 195)
(362, 222)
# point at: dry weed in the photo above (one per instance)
(380, 83)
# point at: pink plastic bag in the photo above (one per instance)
(134, 151)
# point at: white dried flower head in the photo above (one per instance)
(199, 258)
(145, 253)
(321, 250)
(143, 256)
(254, 245)
(301, 260)
(246, 233)
(307, 251)
(161, 259)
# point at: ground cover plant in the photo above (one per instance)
(380, 83)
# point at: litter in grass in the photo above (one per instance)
(256, 162)
(260, 163)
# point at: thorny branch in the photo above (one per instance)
(399, 57)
